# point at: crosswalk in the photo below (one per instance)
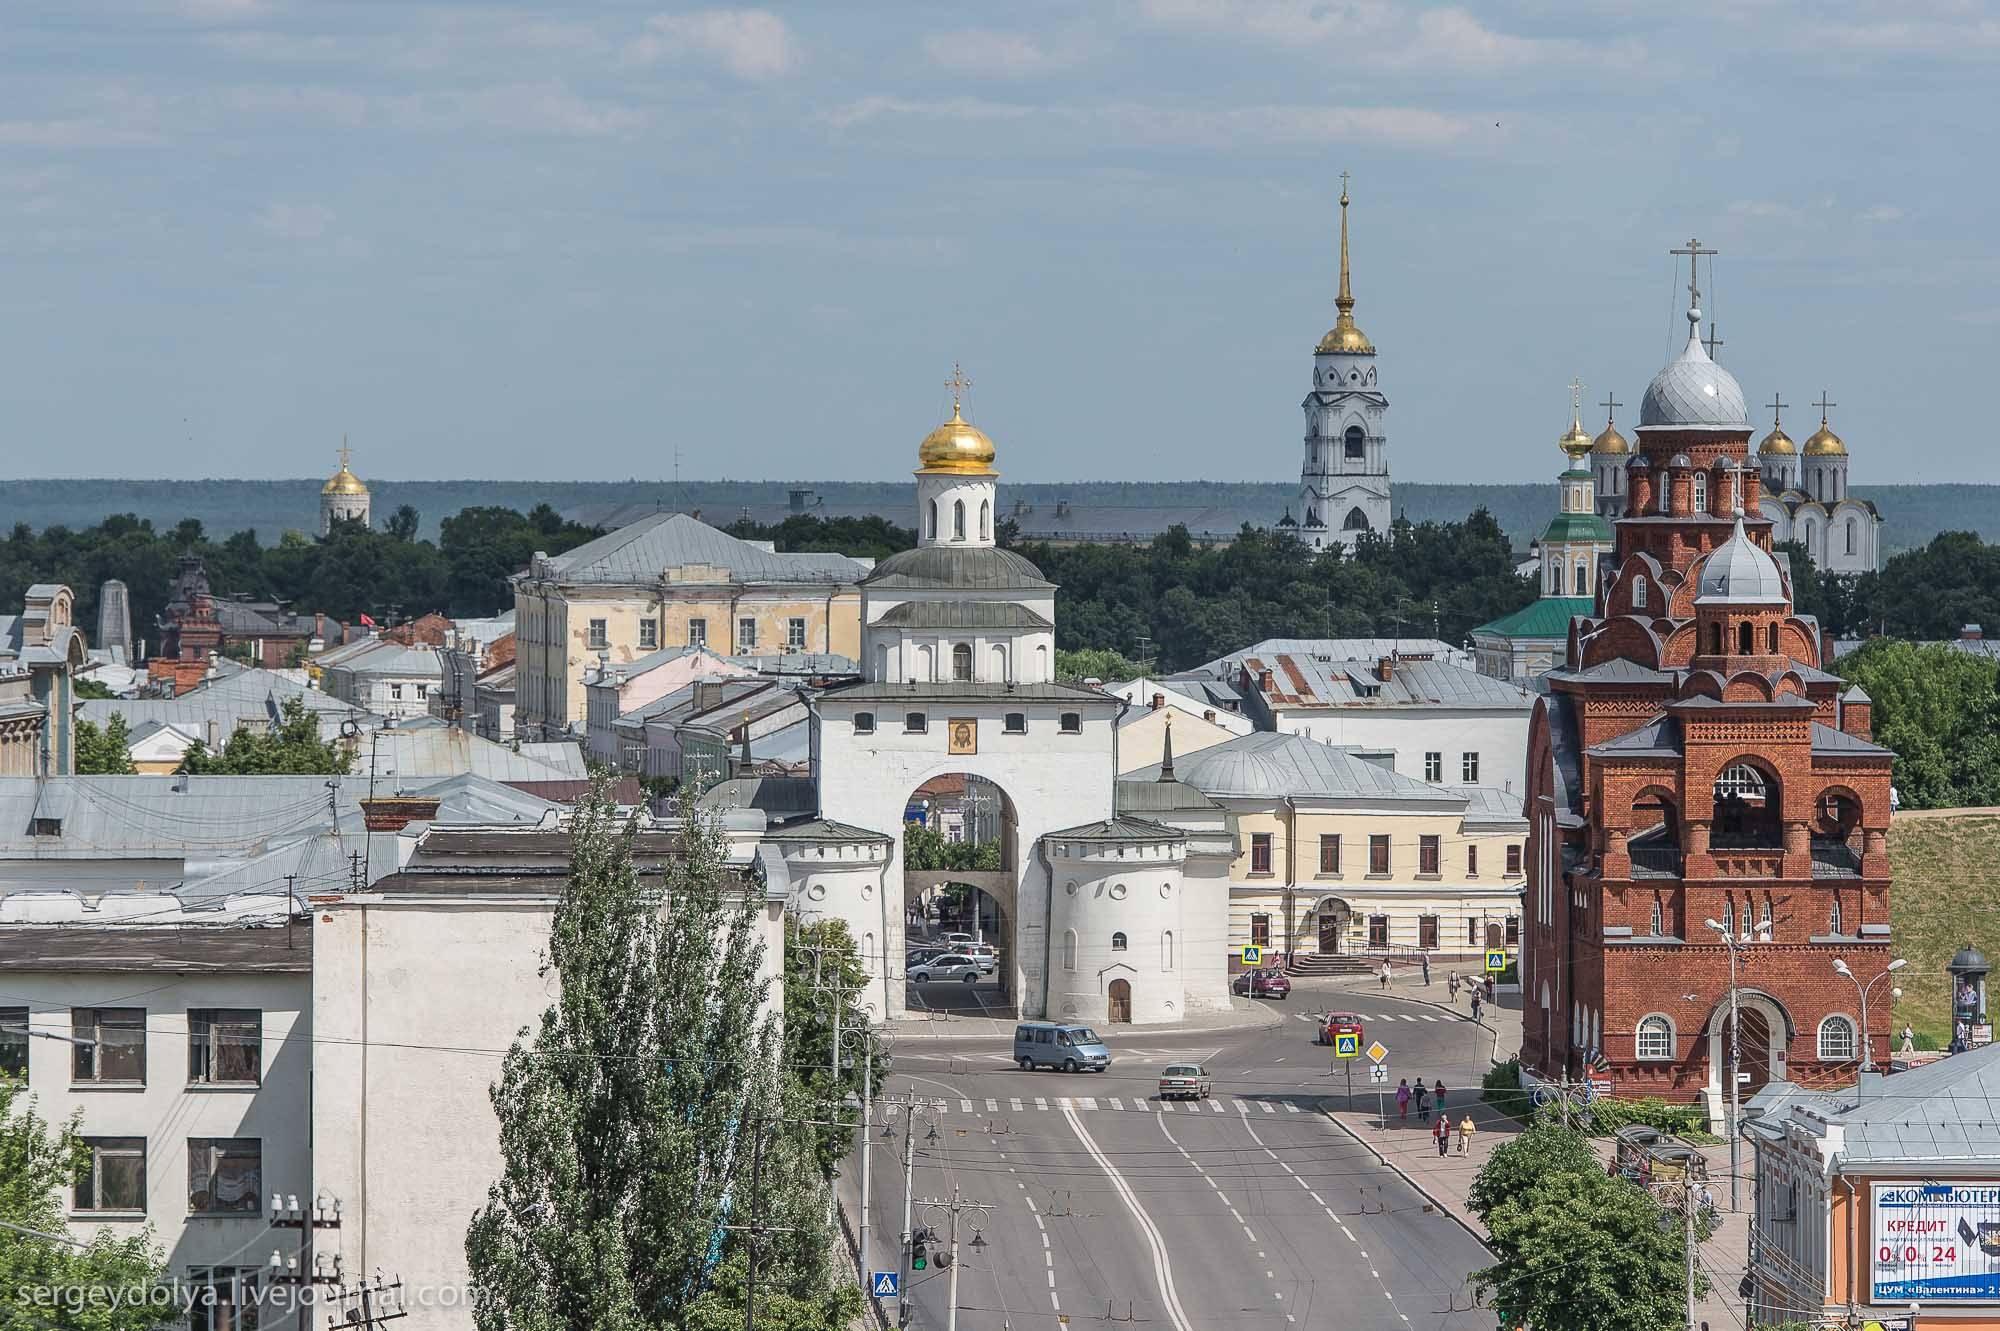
(1130, 1104)
(1390, 1016)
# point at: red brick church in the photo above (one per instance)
(1692, 762)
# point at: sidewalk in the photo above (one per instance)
(1243, 1015)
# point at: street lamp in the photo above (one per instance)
(1733, 942)
(1867, 1043)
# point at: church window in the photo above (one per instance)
(1741, 780)
(1809, 534)
(1355, 443)
(1655, 1038)
(1639, 592)
(864, 723)
(1659, 918)
(930, 520)
(915, 723)
(1715, 639)
(1773, 637)
(1833, 918)
(958, 520)
(1743, 924)
(1118, 942)
(1167, 950)
(925, 660)
(1836, 1039)
(746, 634)
(697, 632)
(1356, 520)
(961, 662)
(1069, 944)
(1579, 581)
(999, 655)
(1016, 723)
(1700, 492)
(1745, 642)
(1852, 527)
(985, 520)
(1071, 723)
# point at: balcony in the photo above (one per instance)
(1655, 859)
(1835, 859)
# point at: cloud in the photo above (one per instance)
(1145, 125)
(964, 108)
(984, 53)
(749, 43)
(223, 11)
(1884, 212)
(1391, 33)
(541, 108)
(293, 221)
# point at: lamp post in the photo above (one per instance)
(866, 1037)
(1733, 942)
(912, 1108)
(1867, 1042)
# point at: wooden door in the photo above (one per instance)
(1121, 1000)
(1329, 933)
(1495, 935)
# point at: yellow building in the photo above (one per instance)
(669, 580)
(1337, 854)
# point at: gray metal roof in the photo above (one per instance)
(1153, 795)
(1266, 765)
(1566, 754)
(1825, 739)
(960, 615)
(643, 551)
(1492, 806)
(824, 829)
(1739, 572)
(779, 796)
(1947, 1112)
(392, 659)
(1119, 828)
(957, 690)
(984, 567)
(1618, 670)
(449, 751)
(1334, 649)
(1693, 392)
(1657, 738)
(188, 949)
(1311, 681)
(246, 697)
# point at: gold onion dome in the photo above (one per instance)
(1344, 336)
(344, 482)
(1610, 441)
(957, 445)
(1777, 441)
(1575, 441)
(1824, 443)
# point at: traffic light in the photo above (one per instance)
(919, 1260)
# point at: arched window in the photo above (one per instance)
(1836, 1039)
(958, 520)
(1772, 637)
(1852, 528)
(1700, 492)
(1833, 918)
(1356, 520)
(1715, 639)
(1743, 922)
(1069, 945)
(1118, 942)
(1579, 578)
(1639, 592)
(961, 662)
(930, 519)
(985, 520)
(1766, 927)
(926, 664)
(1655, 1038)
(1745, 639)
(1740, 779)
(882, 663)
(999, 661)
(1355, 444)
(1809, 534)
(1167, 950)
(1659, 918)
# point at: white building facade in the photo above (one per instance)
(1344, 483)
(1804, 494)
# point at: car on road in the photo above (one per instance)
(957, 939)
(1186, 1081)
(984, 954)
(1338, 1022)
(1046, 1044)
(1263, 984)
(946, 966)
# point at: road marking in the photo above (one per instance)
(1088, 1102)
(992, 1106)
(1268, 1151)
(1030, 1201)
(1287, 1168)
(1303, 1184)
(1048, 1258)
(1315, 1196)
(1045, 1239)
(1270, 1275)
(1224, 1197)
(1267, 1106)
(1040, 1103)
(965, 1106)
(1052, 1280)
(1166, 1106)
(1017, 1105)
(1163, 1271)
(1291, 1108)
(1251, 1233)
(1350, 1234)
(1216, 1105)
(1067, 1103)
(1115, 1102)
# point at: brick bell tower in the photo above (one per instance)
(1698, 785)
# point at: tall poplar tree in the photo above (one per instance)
(631, 1120)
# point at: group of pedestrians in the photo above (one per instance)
(1482, 990)
(1442, 1131)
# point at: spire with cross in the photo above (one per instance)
(1576, 398)
(958, 383)
(1777, 405)
(1694, 249)
(1610, 405)
(343, 452)
(1825, 405)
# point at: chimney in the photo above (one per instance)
(1159, 701)
(392, 813)
(1857, 714)
(214, 735)
(1970, 633)
(1385, 669)
(1266, 682)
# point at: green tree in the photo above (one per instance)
(54, 1283)
(1542, 1151)
(820, 954)
(403, 523)
(87, 687)
(925, 847)
(293, 747)
(106, 751)
(1096, 663)
(1586, 1252)
(1939, 709)
(648, 1111)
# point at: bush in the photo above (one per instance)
(1501, 1088)
(1608, 1115)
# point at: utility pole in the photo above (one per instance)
(975, 1221)
(912, 1108)
(369, 1304)
(1735, 943)
(867, 1135)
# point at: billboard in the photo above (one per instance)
(1936, 1243)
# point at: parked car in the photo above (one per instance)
(983, 953)
(957, 939)
(1263, 984)
(1044, 1044)
(1646, 1155)
(1187, 1081)
(1344, 1022)
(946, 966)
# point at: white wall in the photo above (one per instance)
(1108, 889)
(1499, 738)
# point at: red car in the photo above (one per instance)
(1264, 984)
(1339, 1023)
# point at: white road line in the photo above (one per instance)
(1268, 1151)
(1287, 1168)
(1291, 1108)
(1045, 1239)
(965, 1106)
(1166, 1106)
(1216, 1105)
(1116, 1103)
(992, 1106)
(1267, 1106)
(1224, 1197)
(1016, 1104)
(1067, 1103)
(1163, 1271)
(1251, 1232)
(1040, 1103)
(1088, 1102)
(1316, 1197)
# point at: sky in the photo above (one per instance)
(607, 240)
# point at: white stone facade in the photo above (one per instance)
(1344, 484)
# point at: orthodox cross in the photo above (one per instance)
(343, 452)
(1576, 397)
(1343, 187)
(958, 383)
(1711, 341)
(1694, 251)
(1824, 406)
(1777, 408)
(1610, 405)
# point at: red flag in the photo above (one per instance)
(367, 622)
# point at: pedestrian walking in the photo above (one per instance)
(1909, 1040)
(1385, 972)
(1403, 1099)
(1439, 1095)
(1441, 1134)
(1465, 1131)
(1451, 983)
(1475, 1007)
(1423, 1102)
(1426, 959)
(1492, 989)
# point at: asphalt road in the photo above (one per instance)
(1251, 1210)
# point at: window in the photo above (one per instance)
(1514, 860)
(1577, 582)
(1260, 852)
(1655, 1038)
(396, 692)
(1639, 592)
(1836, 1039)
(985, 521)
(598, 637)
(1715, 639)
(1700, 493)
(1260, 931)
(225, 1174)
(746, 634)
(1472, 860)
(961, 662)
(423, 692)
(1434, 766)
(1427, 855)
(1378, 931)
(1771, 639)
(1468, 768)
(795, 634)
(225, 1046)
(1740, 779)
(1767, 920)
(1015, 723)
(111, 1044)
(1471, 931)
(1833, 918)
(1354, 444)
(864, 723)
(697, 632)
(1072, 723)
(1513, 930)
(1378, 854)
(14, 1043)
(1746, 642)
(915, 723)
(225, 1298)
(958, 520)
(1427, 931)
(930, 522)
(1069, 946)
(115, 1179)
(1659, 928)
(1743, 930)
(1118, 942)
(1850, 528)
(649, 633)
(1329, 854)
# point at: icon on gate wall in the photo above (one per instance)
(964, 735)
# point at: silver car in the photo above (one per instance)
(950, 966)
(1186, 1081)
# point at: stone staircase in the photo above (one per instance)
(1322, 964)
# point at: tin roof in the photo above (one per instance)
(643, 551)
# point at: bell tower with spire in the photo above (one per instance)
(1344, 484)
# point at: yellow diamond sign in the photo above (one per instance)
(1378, 1051)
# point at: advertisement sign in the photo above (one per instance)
(1936, 1243)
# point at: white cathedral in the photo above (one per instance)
(1344, 484)
(1113, 895)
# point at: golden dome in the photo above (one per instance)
(1344, 336)
(1610, 441)
(343, 482)
(1824, 443)
(1777, 442)
(1575, 441)
(957, 446)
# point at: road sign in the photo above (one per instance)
(1345, 1045)
(1378, 1051)
(1379, 1072)
(1496, 958)
(1253, 956)
(882, 1284)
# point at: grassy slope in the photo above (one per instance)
(1946, 871)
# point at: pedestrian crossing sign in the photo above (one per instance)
(882, 1284)
(1346, 1044)
(1253, 956)
(1496, 959)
